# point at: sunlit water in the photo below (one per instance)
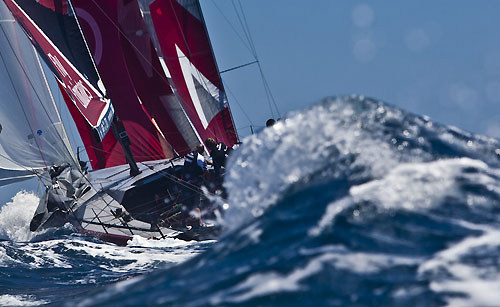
(352, 202)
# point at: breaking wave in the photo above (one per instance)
(15, 217)
(352, 202)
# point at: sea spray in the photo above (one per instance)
(15, 217)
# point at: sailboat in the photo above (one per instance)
(143, 88)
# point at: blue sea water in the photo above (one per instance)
(352, 202)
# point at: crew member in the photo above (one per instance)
(218, 152)
(194, 164)
(195, 167)
(270, 122)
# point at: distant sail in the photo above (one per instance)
(188, 55)
(31, 133)
(54, 31)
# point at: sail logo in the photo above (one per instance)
(82, 94)
(195, 79)
(57, 64)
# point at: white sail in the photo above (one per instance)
(32, 136)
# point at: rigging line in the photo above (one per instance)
(244, 24)
(162, 76)
(65, 135)
(18, 97)
(238, 103)
(86, 45)
(244, 44)
(37, 95)
(67, 118)
(231, 26)
(180, 181)
(245, 30)
(268, 89)
(237, 67)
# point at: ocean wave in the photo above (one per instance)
(351, 202)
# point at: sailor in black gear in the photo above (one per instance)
(195, 164)
(218, 152)
(195, 167)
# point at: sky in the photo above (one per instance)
(436, 58)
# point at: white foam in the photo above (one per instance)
(332, 210)
(138, 241)
(20, 300)
(414, 186)
(15, 217)
(308, 143)
(137, 257)
(480, 284)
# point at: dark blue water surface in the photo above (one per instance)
(352, 202)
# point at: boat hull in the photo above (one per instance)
(113, 206)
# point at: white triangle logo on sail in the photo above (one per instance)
(189, 71)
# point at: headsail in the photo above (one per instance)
(188, 55)
(54, 31)
(31, 133)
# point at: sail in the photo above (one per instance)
(129, 67)
(188, 55)
(53, 29)
(170, 102)
(31, 133)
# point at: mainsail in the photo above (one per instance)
(188, 55)
(31, 133)
(130, 68)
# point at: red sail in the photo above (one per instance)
(130, 68)
(56, 36)
(189, 58)
(99, 152)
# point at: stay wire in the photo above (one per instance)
(232, 26)
(246, 29)
(238, 103)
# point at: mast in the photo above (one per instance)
(121, 135)
(117, 127)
